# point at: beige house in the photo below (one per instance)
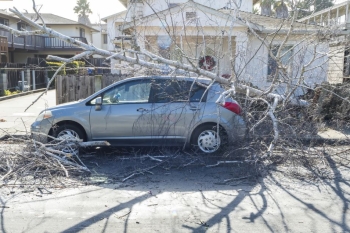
(337, 19)
(22, 47)
(217, 36)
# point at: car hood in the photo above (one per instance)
(65, 106)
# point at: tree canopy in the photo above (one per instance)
(82, 8)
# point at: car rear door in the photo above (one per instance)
(175, 109)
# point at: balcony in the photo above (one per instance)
(36, 42)
(337, 16)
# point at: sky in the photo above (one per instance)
(64, 8)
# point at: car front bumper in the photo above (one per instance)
(40, 130)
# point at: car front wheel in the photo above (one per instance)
(68, 132)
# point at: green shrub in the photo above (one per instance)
(8, 92)
(70, 68)
(55, 66)
(74, 67)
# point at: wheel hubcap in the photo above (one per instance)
(69, 134)
(209, 141)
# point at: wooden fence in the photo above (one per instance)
(14, 70)
(72, 88)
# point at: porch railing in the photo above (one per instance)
(36, 42)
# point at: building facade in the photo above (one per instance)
(19, 48)
(222, 37)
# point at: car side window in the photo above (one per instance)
(136, 91)
(164, 91)
(198, 93)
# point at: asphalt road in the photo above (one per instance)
(182, 200)
(14, 119)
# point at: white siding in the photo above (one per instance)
(336, 64)
(112, 28)
(256, 69)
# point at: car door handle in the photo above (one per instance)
(194, 108)
(142, 110)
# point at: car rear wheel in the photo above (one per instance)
(67, 132)
(208, 139)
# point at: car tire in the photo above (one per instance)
(68, 130)
(206, 139)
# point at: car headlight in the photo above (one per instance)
(44, 115)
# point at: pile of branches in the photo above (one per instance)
(331, 102)
(24, 159)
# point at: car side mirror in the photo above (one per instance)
(98, 104)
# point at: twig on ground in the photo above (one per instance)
(239, 178)
(153, 158)
(141, 172)
(223, 162)
(124, 215)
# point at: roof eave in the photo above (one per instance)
(109, 16)
(9, 16)
(124, 2)
(200, 7)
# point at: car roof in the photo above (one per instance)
(186, 78)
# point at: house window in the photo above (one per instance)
(21, 26)
(105, 39)
(272, 67)
(4, 21)
(82, 32)
(191, 15)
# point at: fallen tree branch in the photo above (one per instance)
(33, 159)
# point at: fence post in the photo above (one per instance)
(3, 83)
(46, 77)
(34, 85)
(22, 74)
(28, 78)
(98, 82)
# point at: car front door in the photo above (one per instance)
(124, 113)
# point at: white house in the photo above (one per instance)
(222, 37)
(100, 38)
(113, 33)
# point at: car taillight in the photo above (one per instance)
(233, 107)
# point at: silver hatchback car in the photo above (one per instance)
(148, 111)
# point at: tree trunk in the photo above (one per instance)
(282, 11)
(84, 19)
(266, 8)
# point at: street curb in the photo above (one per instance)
(21, 94)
